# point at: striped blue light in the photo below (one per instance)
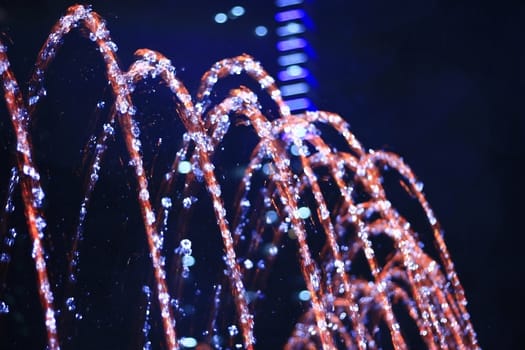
(294, 89)
(291, 44)
(298, 103)
(290, 29)
(285, 3)
(293, 22)
(292, 59)
(289, 15)
(292, 73)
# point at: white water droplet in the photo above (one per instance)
(4, 308)
(166, 202)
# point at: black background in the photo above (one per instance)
(438, 82)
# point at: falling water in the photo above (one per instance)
(308, 184)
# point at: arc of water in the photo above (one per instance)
(32, 193)
(396, 163)
(155, 63)
(336, 122)
(79, 15)
(288, 196)
(417, 269)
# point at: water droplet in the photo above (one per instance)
(271, 217)
(185, 247)
(184, 167)
(248, 264)
(70, 303)
(187, 202)
(304, 295)
(272, 250)
(188, 342)
(33, 100)
(232, 330)
(304, 212)
(166, 202)
(188, 261)
(4, 308)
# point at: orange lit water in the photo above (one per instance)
(345, 310)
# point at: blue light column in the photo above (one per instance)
(294, 54)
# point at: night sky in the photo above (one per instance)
(438, 82)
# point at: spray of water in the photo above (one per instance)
(327, 200)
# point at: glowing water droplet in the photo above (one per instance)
(220, 17)
(188, 342)
(4, 308)
(187, 202)
(304, 295)
(184, 167)
(146, 290)
(166, 202)
(304, 212)
(248, 264)
(232, 330)
(70, 303)
(185, 247)
(188, 261)
(108, 129)
(33, 100)
(272, 250)
(271, 217)
(261, 30)
(237, 11)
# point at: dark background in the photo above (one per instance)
(438, 82)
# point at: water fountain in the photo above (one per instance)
(370, 281)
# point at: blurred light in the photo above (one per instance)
(221, 17)
(297, 151)
(299, 132)
(271, 217)
(184, 167)
(289, 15)
(290, 29)
(248, 264)
(291, 44)
(298, 103)
(251, 295)
(261, 30)
(237, 11)
(293, 58)
(271, 250)
(294, 89)
(267, 169)
(284, 3)
(304, 212)
(304, 295)
(188, 342)
(294, 150)
(188, 261)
